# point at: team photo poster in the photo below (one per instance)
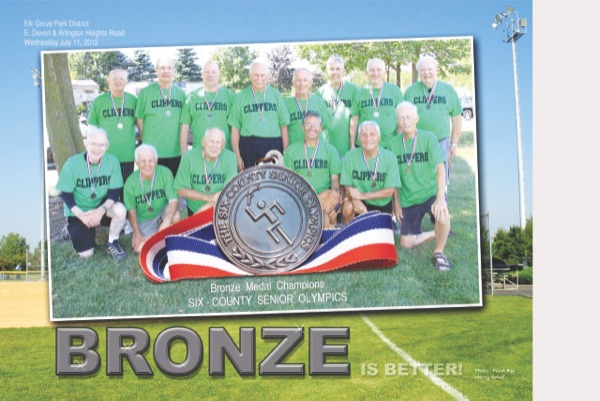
(401, 330)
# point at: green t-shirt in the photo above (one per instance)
(421, 183)
(245, 114)
(323, 165)
(191, 174)
(159, 194)
(315, 104)
(161, 130)
(107, 116)
(203, 110)
(445, 104)
(356, 174)
(75, 178)
(338, 133)
(362, 106)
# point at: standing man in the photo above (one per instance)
(114, 112)
(301, 102)
(438, 106)
(90, 183)
(423, 178)
(318, 163)
(205, 108)
(158, 112)
(150, 199)
(375, 102)
(369, 175)
(205, 172)
(338, 94)
(258, 120)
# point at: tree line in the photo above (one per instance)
(14, 251)
(513, 246)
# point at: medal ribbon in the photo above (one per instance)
(188, 250)
(376, 104)
(312, 162)
(300, 108)
(429, 96)
(163, 95)
(260, 107)
(212, 104)
(207, 176)
(374, 174)
(87, 160)
(115, 106)
(148, 201)
(336, 99)
(412, 152)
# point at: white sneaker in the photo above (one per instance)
(127, 229)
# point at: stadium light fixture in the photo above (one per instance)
(514, 27)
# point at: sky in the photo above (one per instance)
(186, 23)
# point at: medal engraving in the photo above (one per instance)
(268, 220)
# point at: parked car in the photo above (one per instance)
(467, 107)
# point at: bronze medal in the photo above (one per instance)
(268, 220)
(373, 185)
(150, 209)
(207, 188)
(94, 196)
(428, 106)
(309, 174)
(209, 114)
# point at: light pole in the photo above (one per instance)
(514, 27)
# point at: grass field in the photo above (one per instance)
(491, 345)
(101, 287)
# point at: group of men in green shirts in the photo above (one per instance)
(360, 126)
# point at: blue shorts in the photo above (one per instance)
(412, 222)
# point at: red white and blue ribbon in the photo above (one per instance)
(188, 250)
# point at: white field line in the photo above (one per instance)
(414, 363)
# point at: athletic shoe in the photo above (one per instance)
(64, 234)
(127, 228)
(114, 249)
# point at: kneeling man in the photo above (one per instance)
(90, 184)
(423, 177)
(150, 199)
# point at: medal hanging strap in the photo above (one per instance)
(210, 105)
(167, 101)
(148, 201)
(429, 96)
(299, 107)
(376, 104)
(208, 177)
(374, 174)
(311, 163)
(112, 100)
(92, 184)
(337, 97)
(412, 152)
(259, 106)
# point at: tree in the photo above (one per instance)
(185, 66)
(34, 257)
(514, 246)
(280, 65)
(12, 251)
(97, 65)
(62, 123)
(142, 69)
(233, 64)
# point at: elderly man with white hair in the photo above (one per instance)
(90, 184)
(258, 119)
(303, 101)
(369, 175)
(438, 106)
(423, 178)
(158, 113)
(338, 94)
(205, 172)
(205, 108)
(375, 102)
(150, 199)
